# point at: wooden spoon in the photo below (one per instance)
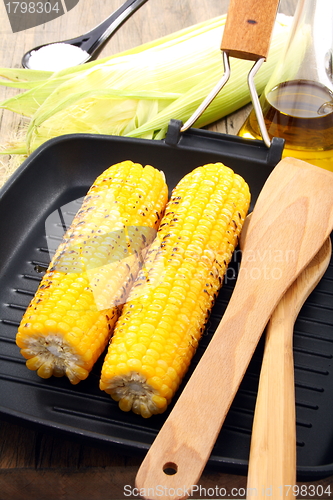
(292, 216)
(272, 463)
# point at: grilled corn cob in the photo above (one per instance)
(168, 306)
(71, 317)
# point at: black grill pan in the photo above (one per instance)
(62, 170)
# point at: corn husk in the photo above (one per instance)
(137, 92)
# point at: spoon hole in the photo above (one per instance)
(170, 468)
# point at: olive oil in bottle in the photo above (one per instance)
(301, 112)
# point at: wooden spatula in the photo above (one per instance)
(272, 462)
(292, 216)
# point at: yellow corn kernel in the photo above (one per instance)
(170, 301)
(71, 317)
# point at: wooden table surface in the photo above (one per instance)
(35, 465)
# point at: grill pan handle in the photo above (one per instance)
(247, 35)
(248, 29)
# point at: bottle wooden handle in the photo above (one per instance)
(248, 28)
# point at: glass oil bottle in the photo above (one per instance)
(297, 102)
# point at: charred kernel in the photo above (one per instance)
(179, 282)
(75, 312)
